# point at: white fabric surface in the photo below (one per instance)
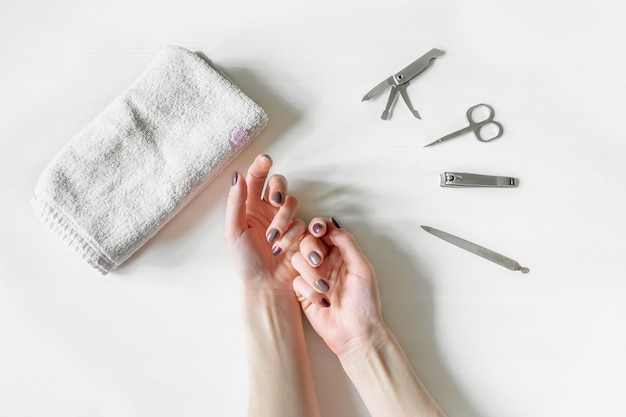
(128, 172)
(162, 335)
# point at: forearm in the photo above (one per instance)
(280, 381)
(384, 378)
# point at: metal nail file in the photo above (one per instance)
(478, 250)
(464, 179)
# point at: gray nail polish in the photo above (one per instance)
(317, 227)
(322, 285)
(278, 197)
(272, 235)
(276, 250)
(315, 258)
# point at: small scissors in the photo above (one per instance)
(493, 129)
(400, 81)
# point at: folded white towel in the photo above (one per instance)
(146, 155)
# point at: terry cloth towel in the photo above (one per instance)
(146, 155)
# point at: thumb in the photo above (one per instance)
(235, 223)
(349, 249)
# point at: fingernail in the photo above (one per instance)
(272, 235)
(317, 227)
(322, 285)
(278, 197)
(268, 157)
(315, 258)
(324, 302)
(235, 177)
(276, 250)
(335, 222)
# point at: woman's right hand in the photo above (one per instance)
(338, 292)
(337, 288)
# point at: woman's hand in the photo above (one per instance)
(337, 287)
(261, 233)
(261, 229)
(338, 292)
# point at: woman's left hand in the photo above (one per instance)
(261, 228)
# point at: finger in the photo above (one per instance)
(289, 238)
(311, 275)
(348, 248)
(317, 226)
(235, 222)
(276, 190)
(299, 288)
(257, 175)
(283, 218)
(313, 250)
(321, 227)
(307, 295)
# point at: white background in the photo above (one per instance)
(162, 336)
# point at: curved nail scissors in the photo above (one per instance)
(485, 129)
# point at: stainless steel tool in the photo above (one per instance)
(464, 179)
(400, 81)
(477, 250)
(485, 128)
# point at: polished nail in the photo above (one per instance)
(268, 157)
(317, 228)
(324, 302)
(322, 285)
(235, 177)
(278, 197)
(276, 250)
(335, 222)
(272, 235)
(315, 258)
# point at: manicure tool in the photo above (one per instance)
(400, 81)
(485, 129)
(463, 179)
(478, 250)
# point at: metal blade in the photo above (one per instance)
(379, 89)
(417, 66)
(451, 136)
(407, 100)
(477, 250)
(392, 98)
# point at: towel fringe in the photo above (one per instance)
(62, 226)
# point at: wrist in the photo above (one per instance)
(257, 299)
(266, 293)
(360, 349)
(266, 285)
(271, 317)
(384, 378)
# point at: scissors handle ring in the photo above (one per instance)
(477, 126)
(472, 109)
(480, 126)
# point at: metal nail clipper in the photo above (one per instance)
(464, 179)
